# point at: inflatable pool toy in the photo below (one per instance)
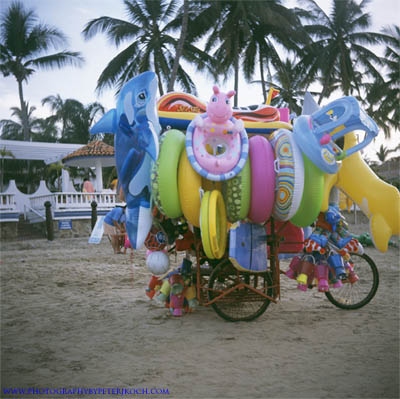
(135, 124)
(311, 199)
(189, 186)
(248, 247)
(236, 193)
(289, 170)
(216, 143)
(164, 176)
(262, 174)
(213, 226)
(316, 134)
(176, 110)
(378, 200)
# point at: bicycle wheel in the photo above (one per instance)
(354, 295)
(238, 302)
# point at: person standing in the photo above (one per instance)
(114, 227)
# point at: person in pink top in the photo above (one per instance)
(87, 186)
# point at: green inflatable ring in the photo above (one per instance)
(236, 193)
(164, 177)
(311, 200)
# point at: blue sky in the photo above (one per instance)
(70, 16)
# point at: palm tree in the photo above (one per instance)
(151, 44)
(25, 44)
(383, 96)
(14, 130)
(384, 152)
(180, 45)
(342, 54)
(75, 119)
(81, 118)
(241, 33)
(288, 79)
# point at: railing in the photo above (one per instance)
(73, 200)
(7, 202)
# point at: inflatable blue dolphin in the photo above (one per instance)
(135, 124)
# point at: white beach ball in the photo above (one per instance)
(157, 262)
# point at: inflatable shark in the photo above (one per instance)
(136, 126)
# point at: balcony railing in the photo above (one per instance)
(73, 200)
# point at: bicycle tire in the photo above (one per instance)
(353, 296)
(241, 304)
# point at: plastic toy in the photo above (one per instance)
(164, 176)
(331, 226)
(153, 286)
(289, 168)
(157, 262)
(247, 247)
(176, 110)
(216, 143)
(378, 200)
(135, 124)
(315, 134)
(262, 194)
(176, 295)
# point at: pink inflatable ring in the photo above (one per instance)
(216, 143)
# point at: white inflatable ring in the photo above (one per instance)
(289, 170)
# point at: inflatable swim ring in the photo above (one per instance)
(205, 237)
(262, 174)
(236, 193)
(219, 155)
(164, 177)
(189, 185)
(289, 174)
(213, 226)
(311, 200)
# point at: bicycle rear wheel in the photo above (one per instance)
(237, 301)
(355, 295)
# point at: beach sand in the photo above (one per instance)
(74, 315)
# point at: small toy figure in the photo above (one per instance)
(176, 295)
(331, 226)
(154, 285)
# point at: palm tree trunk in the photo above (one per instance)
(179, 49)
(263, 86)
(24, 112)
(236, 67)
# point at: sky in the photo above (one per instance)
(70, 16)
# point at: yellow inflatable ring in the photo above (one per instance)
(205, 238)
(189, 185)
(313, 192)
(164, 177)
(217, 224)
(213, 225)
(236, 192)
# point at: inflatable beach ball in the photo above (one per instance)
(157, 262)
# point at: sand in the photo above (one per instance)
(74, 315)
